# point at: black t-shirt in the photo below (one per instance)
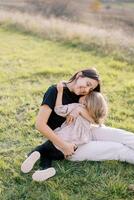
(49, 99)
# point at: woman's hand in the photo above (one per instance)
(68, 149)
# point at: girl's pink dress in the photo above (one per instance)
(79, 132)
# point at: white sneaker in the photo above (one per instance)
(42, 175)
(28, 164)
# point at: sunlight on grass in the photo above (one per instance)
(76, 34)
(27, 67)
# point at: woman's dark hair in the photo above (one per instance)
(90, 73)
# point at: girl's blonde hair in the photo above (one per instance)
(97, 107)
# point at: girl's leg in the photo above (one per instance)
(100, 151)
(105, 133)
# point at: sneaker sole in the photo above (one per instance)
(42, 175)
(28, 164)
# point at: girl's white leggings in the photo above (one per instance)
(107, 144)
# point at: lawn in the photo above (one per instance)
(28, 65)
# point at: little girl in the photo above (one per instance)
(90, 112)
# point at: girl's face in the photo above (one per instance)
(83, 85)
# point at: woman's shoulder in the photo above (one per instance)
(52, 87)
(51, 90)
(49, 97)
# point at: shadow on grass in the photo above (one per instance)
(36, 77)
(46, 74)
(94, 48)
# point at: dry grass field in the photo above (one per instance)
(107, 27)
(109, 14)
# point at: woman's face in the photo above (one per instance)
(83, 85)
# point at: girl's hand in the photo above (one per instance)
(73, 115)
(69, 119)
(60, 86)
(68, 149)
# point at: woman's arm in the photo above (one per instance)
(41, 125)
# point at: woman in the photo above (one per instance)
(82, 83)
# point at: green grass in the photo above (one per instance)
(28, 65)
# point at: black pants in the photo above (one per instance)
(48, 153)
